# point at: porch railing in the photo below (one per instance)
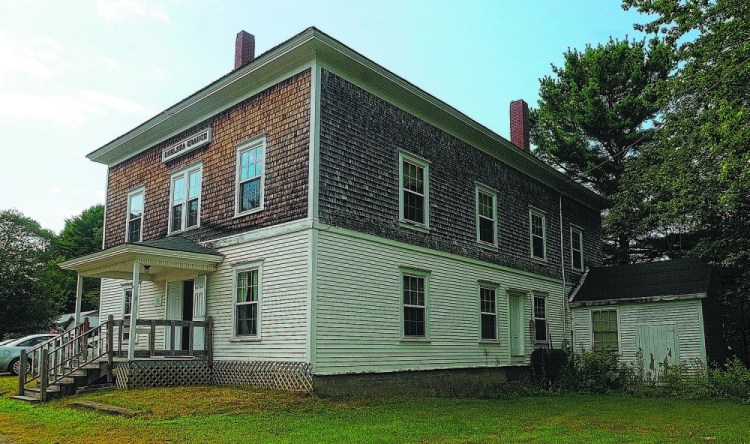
(60, 357)
(169, 330)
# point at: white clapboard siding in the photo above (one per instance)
(686, 315)
(358, 306)
(284, 299)
(150, 306)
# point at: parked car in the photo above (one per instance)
(10, 351)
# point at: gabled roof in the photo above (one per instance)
(177, 243)
(681, 278)
(304, 50)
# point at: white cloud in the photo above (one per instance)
(70, 111)
(110, 63)
(39, 58)
(120, 9)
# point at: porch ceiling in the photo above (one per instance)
(157, 264)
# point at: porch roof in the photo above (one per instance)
(171, 257)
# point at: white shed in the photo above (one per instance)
(665, 311)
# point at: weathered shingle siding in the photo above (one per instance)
(360, 139)
(281, 112)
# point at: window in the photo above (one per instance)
(604, 329)
(540, 318)
(538, 231)
(250, 176)
(486, 215)
(576, 248)
(414, 305)
(134, 221)
(246, 305)
(414, 189)
(127, 299)
(185, 200)
(488, 309)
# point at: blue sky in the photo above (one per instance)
(76, 74)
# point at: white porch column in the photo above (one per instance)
(134, 308)
(79, 296)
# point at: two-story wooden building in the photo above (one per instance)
(334, 219)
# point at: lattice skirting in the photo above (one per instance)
(137, 374)
(292, 376)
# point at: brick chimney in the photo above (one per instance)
(244, 49)
(519, 124)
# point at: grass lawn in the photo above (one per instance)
(220, 414)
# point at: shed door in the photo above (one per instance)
(658, 345)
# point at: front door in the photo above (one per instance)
(175, 307)
(515, 321)
(658, 346)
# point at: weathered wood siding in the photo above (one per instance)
(284, 303)
(358, 305)
(686, 315)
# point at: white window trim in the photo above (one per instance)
(249, 266)
(405, 271)
(185, 172)
(425, 165)
(248, 145)
(125, 288)
(539, 213)
(479, 188)
(619, 330)
(545, 297)
(496, 288)
(574, 228)
(131, 193)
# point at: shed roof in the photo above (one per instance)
(654, 279)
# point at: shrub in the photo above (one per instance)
(595, 372)
(732, 381)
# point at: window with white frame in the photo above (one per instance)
(414, 289)
(576, 248)
(414, 189)
(486, 215)
(488, 310)
(185, 199)
(250, 176)
(538, 233)
(540, 317)
(127, 299)
(134, 218)
(246, 303)
(604, 330)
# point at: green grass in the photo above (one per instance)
(221, 414)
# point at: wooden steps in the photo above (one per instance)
(78, 381)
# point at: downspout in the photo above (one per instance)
(564, 284)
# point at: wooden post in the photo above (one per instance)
(209, 340)
(134, 309)
(44, 376)
(79, 297)
(152, 338)
(22, 373)
(110, 345)
(171, 338)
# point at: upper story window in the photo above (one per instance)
(538, 233)
(250, 176)
(134, 218)
(540, 317)
(414, 188)
(576, 248)
(488, 313)
(414, 304)
(185, 199)
(486, 215)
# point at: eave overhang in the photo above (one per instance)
(639, 300)
(313, 46)
(157, 264)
